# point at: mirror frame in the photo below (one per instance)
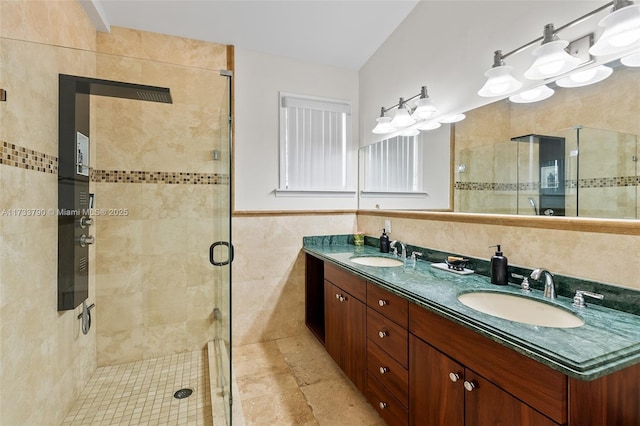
(580, 224)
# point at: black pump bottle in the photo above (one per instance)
(384, 242)
(499, 273)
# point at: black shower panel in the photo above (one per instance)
(74, 173)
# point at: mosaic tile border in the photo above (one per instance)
(606, 182)
(176, 178)
(18, 156)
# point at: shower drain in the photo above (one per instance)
(183, 393)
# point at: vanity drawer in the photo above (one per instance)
(391, 338)
(388, 371)
(388, 304)
(355, 286)
(387, 405)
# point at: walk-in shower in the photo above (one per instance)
(158, 196)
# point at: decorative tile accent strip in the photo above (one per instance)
(24, 158)
(486, 186)
(179, 178)
(604, 182)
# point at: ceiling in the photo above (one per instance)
(341, 33)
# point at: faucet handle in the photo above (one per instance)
(414, 254)
(578, 299)
(525, 288)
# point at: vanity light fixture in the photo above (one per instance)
(402, 117)
(428, 125)
(424, 107)
(621, 29)
(405, 116)
(384, 124)
(632, 60)
(536, 94)
(499, 79)
(551, 57)
(453, 118)
(410, 131)
(584, 78)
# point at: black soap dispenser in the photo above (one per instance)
(384, 242)
(499, 273)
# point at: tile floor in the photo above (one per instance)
(294, 381)
(141, 393)
(290, 381)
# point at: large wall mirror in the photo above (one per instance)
(574, 154)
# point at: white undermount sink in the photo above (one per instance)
(520, 309)
(381, 262)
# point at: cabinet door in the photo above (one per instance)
(487, 404)
(333, 322)
(434, 399)
(354, 341)
(345, 333)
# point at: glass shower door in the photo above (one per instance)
(221, 256)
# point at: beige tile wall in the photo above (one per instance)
(608, 258)
(268, 272)
(45, 360)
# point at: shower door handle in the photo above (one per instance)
(212, 257)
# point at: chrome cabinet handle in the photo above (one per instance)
(342, 298)
(470, 385)
(382, 302)
(382, 334)
(382, 405)
(337, 296)
(384, 370)
(454, 377)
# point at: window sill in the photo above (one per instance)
(313, 193)
(393, 194)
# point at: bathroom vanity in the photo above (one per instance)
(423, 358)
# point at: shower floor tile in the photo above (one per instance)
(141, 393)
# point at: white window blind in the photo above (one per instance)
(394, 165)
(315, 143)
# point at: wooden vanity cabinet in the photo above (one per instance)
(345, 322)
(507, 387)
(406, 375)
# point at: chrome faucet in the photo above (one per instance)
(549, 285)
(395, 250)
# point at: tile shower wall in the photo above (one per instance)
(483, 145)
(45, 360)
(155, 172)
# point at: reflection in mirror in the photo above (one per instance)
(394, 165)
(574, 154)
(407, 172)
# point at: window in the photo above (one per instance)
(315, 144)
(394, 165)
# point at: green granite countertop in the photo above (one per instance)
(608, 341)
